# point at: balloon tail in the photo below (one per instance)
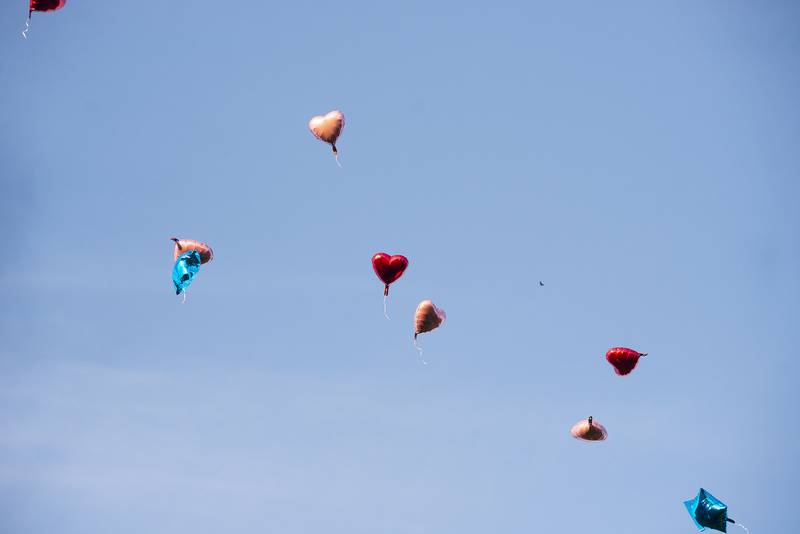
(27, 27)
(419, 349)
(385, 309)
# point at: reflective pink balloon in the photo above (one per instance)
(427, 317)
(589, 430)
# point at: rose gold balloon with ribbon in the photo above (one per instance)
(427, 317)
(589, 430)
(328, 128)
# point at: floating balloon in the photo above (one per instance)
(327, 128)
(427, 317)
(186, 267)
(589, 430)
(41, 6)
(624, 360)
(389, 269)
(183, 246)
(709, 512)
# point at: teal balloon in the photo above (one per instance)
(185, 268)
(708, 512)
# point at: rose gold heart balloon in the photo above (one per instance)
(427, 317)
(589, 430)
(327, 128)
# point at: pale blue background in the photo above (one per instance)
(639, 158)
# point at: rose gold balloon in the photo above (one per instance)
(182, 246)
(427, 317)
(589, 430)
(328, 128)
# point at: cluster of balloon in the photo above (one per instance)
(389, 269)
(327, 128)
(41, 6)
(188, 255)
(623, 359)
(709, 512)
(589, 430)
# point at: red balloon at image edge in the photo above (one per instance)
(46, 5)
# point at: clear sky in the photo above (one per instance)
(641, 159)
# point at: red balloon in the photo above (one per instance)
(388, 268)
(46, 5)
(624, 360)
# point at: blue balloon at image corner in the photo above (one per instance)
(186, 266)
(708, 512)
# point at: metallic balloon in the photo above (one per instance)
(589, 430)
(185, 269)
(624, 360)
(328, 127)
(708, 512)
(46, 5)
(427, 317)
(388, 268)
(182, 246)
(41, 6)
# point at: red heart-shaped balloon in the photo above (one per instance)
(388, 268)
(624, 360)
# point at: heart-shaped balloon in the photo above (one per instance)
(388, 268)
(624, 360)
(589, 430)
(327, 127)
(427, 317)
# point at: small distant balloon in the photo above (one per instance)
(183, 246)
(327, 128)
(185, 269)
(41, 6)
(589, 430)
(623, 359)
(709, 512)
(427, 317)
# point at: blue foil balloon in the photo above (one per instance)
(708, 512)
(185, 268)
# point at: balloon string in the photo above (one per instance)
(419, 349)
(184, 297)
(744, 527)
(27, 27)
(385, 312)
(336, 156)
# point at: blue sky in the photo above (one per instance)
(639, 158)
